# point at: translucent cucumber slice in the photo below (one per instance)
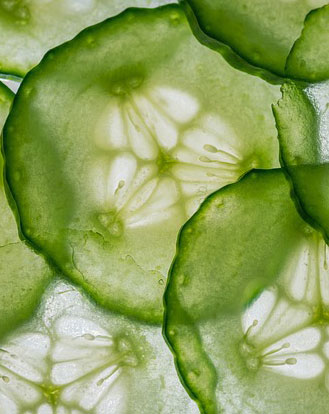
(31, 27)
(260, 31)
(308, 59)
(302, 120)
(23, 274)
(126, 146)
(247, 302)
(71, 358)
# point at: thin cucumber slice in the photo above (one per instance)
(126, 146)
(71, 358)
(302, 120)
(23, 274)
(29, 28)
(260, 31)
(308, 59)
(247, 303)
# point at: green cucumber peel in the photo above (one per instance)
(23, 274)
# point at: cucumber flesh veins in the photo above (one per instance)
(275, 343)
(262, 32)
(23, 274)
(72, 358)
(32, 27)
(122, 163)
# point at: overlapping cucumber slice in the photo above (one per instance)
(109, 153)
(72, 358)
(308, 59)
(23, 274)
(302, 120)
(29, 28)
(260, 31)
(247, 303)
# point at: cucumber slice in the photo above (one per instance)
(126, 146)
(247, 256)
(71, 358)
(23, 274)
(302, 121)
(30, 28)
(308, 59)
(260, 31)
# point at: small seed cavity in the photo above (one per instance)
(210, 148)
(291, 361)
(253, 325)
(5, 379)
(206, 159)
(88, 337)
(288, 361)
(121, 184)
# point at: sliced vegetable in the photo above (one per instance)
(260, 31)
(302, 120)
(23, 274)
(247, 302)
(126, 146)
(29, 28)
(308, 59)
(72, 358)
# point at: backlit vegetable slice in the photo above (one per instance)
(125, 146)
(260, 31)
(308, 59)
(302, 120)
(23, 274)
(29, 28)
(247, 302)
(72, 358)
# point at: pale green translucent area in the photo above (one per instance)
(125, 147)
(261, 31)
(72, 358)
(266, 353)
(23, 274)
(29, 28)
